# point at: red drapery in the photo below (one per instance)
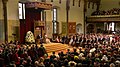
(22, 31)
(31, 15)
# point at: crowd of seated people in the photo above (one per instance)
(91, 50)
(97, 47)
(16, 55)
(114, 11)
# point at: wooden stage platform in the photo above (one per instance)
(50, 47)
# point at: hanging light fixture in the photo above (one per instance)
(51, 0)
(60, 1)
(79, 3)
(93, 5)
(73, 2)
(88, 4)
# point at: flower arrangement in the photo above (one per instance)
(29, 38)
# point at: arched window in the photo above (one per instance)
(21, 10)
(55, 23)
(112, 26)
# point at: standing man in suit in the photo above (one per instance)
(40, 37)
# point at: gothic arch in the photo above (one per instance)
(79, 28)
(90, 28)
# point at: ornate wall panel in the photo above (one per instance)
(71, 28)
(64, 28)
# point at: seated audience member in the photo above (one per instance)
(58, 40)
(52, 57)
(41, 51)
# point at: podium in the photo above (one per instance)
(39, 29)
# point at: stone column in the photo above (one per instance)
(5, 18)
(85, 18)
(67, 13)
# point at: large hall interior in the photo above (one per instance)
(59, 33)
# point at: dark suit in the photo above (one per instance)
(41, 39)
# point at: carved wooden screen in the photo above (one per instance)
(39, 28)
